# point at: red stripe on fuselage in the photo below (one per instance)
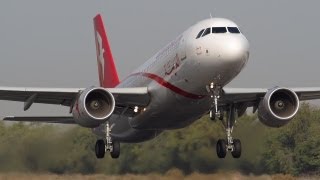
(170, 86)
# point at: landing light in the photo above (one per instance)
(136, 109)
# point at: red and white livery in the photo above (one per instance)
(182, 82)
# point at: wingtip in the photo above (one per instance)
(8, 118)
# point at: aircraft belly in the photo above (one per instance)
(123, 132)
(179, 112)
(169, 110)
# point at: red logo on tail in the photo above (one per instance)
(100, 53)
(108, 75)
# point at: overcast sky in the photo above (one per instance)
(51, 44)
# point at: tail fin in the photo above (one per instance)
(108, 75)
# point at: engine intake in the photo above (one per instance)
(94, 106)
(278, 107)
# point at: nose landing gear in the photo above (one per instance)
(230, 144)
(215, 92)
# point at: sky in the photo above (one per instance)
(51, 43)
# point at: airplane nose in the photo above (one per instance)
(235, 49)
(221, 57)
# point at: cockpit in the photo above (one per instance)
(217, 30)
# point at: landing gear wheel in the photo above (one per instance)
(212, 116)
(221, 148)
(115, 153)
(221, 116)
(100, 149)
(236, 153)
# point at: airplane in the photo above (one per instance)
(182, 82)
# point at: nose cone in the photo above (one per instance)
(234, 49)
(224, 57)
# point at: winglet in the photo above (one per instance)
(108, 75)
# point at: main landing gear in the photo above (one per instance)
(230, 144)
(102, 146)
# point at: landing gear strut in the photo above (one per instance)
(102, 146)
(215, 91)
(230, 144)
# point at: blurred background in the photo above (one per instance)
(51, 44)
(293, 149)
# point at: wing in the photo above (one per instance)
(60, 120)
(125, 98)
(65, 96)
(252, 96)
(62, 96)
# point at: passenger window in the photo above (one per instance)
(200, 33)
(219, 30)
(233, 30)
(206, 32)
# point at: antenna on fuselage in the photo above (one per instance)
(210, 16)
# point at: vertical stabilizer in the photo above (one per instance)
(108, 75)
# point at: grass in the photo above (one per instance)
(171, 175)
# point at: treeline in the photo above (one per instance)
(293, 149)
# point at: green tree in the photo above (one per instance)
(294, 148)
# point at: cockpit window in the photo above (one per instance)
(219, 30)
(206, 32)
(200, 33)
(233, 30)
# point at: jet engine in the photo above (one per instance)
(93, 107)
(278, 107)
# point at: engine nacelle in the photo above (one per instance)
(93, 107)
(278, 107)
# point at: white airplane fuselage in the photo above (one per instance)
(177, 78)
